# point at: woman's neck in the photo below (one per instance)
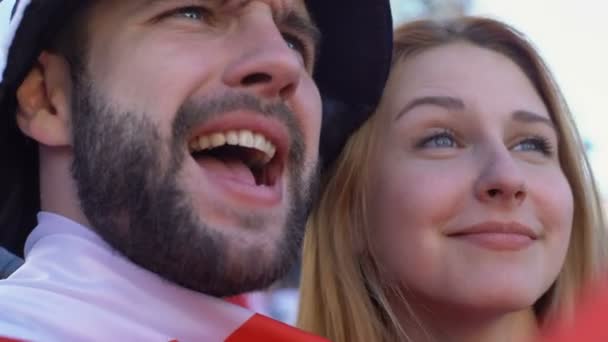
(520, 326)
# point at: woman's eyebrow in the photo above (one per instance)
(526, 116)
(447, 102)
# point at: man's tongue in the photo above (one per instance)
(228, 168)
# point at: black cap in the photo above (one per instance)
(352, 69)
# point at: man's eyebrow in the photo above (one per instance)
(531, 117)
(153, 2)
(301, 25)
(291, 19)
(146, 4)
(447, 102)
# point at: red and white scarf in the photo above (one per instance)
(74, 287)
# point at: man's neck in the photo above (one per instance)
(58, 193)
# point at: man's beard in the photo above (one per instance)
(132, 198)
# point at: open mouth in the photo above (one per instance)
(243, 155)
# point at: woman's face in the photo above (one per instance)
(470, 207)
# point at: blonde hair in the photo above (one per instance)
(343, 296)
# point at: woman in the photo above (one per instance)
(464, 210)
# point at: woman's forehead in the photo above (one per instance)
(478, 77)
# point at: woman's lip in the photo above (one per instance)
(497, 241)
(502, 236)
(495, 227)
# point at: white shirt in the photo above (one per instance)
(75, 287)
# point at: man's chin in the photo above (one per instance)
(252, 269)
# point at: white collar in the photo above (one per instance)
(69, 265)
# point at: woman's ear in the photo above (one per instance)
(43, 98)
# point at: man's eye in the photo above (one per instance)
(191, 12)
(295, 43)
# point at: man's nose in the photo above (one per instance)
(264, 63)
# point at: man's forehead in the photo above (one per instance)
(279, 6)
(282, 6)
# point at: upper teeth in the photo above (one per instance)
(244, 138)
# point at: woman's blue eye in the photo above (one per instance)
(441, 140)
(534, 144)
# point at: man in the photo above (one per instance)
(170, 150)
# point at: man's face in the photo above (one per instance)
(195, 132)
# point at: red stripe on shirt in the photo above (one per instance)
(261, 328)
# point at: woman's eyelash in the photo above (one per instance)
(447, 139)
(535, 143)
(443, 139)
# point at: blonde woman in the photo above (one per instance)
(464, 210)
